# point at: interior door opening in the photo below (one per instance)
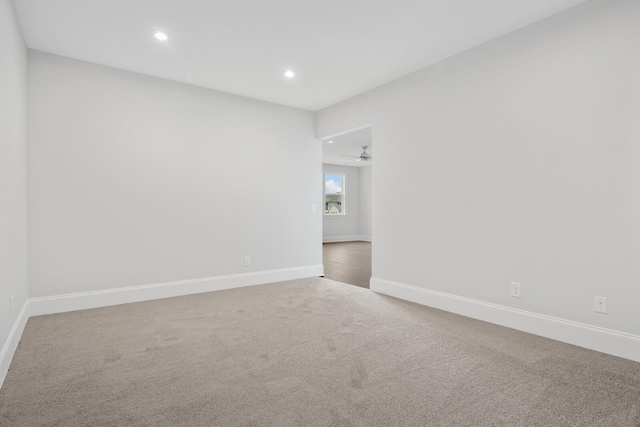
(347, 170)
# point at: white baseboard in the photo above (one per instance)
(353, 238)
(608, 341)
(11, 344)
(104, 298)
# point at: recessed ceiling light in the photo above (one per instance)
(161, 36)
(330, 142)
(288, 74)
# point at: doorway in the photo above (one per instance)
(347, 167)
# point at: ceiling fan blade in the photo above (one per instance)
(355, 157)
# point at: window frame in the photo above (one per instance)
(343, 203)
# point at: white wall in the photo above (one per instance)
(515, 161)
(341, 228)
(366, 207)
(136, 180)
(13, 172)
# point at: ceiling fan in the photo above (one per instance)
(363, 157)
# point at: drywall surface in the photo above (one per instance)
(136, 180)
(366, 208)
(515, 161)
(13, 169)
(344, 227)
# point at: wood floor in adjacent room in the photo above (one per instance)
(348, 262)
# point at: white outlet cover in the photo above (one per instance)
(600, 305)
(516, 290)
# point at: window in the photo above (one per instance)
(334, 194)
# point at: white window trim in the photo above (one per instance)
(344, 213)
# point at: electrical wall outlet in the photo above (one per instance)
(516, 290)
(600, 304)
(247, 261)
(314, 208)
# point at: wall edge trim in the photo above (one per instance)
(616, 343)
(348, 238)
(115, 296)
(13, 339)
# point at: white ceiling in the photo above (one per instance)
(349, 144)
(338, 48)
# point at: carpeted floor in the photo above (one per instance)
(309, 352)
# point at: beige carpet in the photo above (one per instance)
(304, 353)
